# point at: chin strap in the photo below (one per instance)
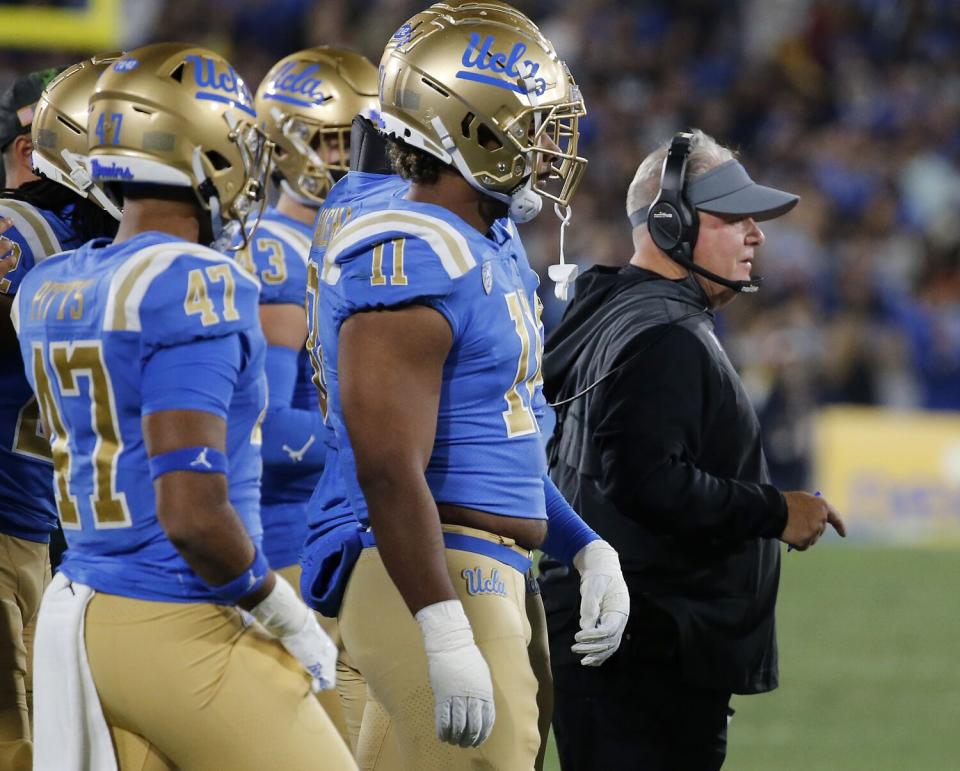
(81, 178)
(525, 204)
(208, 194)
(563, 274)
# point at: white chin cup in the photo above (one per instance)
(525, 205)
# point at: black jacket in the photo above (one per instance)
(663, 458)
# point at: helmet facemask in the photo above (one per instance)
(316, 143)
(231, 232)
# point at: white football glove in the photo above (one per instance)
(604, 603)
(284, 615)
(459, 676)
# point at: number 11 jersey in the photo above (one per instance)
(375, 252)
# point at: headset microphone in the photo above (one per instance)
(673, 223)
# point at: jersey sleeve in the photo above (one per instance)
(390, 259)
(181, 295)
(280, 267)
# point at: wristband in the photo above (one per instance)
(248, 581)
(204, 460)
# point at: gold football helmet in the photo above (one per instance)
(477, 85)
(60, 129)
(178, 114)
(306, 104)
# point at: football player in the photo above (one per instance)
(146, 357)
(41, 215)
(306, 104)
(441, 454)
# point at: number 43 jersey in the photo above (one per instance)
(89, 324)
(379, 252)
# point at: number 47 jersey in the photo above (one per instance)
(94, 326)
(374, 251)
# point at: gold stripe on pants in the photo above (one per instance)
(385, 643)
(188, 686)
(24, 574)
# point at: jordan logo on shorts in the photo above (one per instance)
(477, 584)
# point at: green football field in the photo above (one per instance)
(869, 666)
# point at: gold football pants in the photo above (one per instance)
(349, 688)
(188, 686)
(385, 643)
(24, 574)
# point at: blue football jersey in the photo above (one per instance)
(374, 251)
(89, 322)
(27, 509)
(330, 500)
(293, 428)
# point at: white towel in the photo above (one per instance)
(70, 733)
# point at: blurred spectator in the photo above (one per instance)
(855, 103)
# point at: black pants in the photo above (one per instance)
(633, 712)
(662, 725)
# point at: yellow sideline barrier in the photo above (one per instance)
(94, 27)
(894, 475)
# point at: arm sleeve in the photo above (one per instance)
(651, 438)
(200, 375)
(285, 426)
(567, 533)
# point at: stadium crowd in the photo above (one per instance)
(857, 306)
(855, 104)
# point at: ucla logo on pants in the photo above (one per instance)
(477, 584)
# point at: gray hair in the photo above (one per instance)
(705, 154)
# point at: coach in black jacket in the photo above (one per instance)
(658, 447)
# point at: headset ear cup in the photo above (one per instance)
(690, 227)
(665, 225)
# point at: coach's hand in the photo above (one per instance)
(807, 518)
(459, 676)
(284, 615)
(604, 603)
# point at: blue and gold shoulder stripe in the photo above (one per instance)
(174, 292)
(375, 230)
(32, 226)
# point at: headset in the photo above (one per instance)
(674, 224)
